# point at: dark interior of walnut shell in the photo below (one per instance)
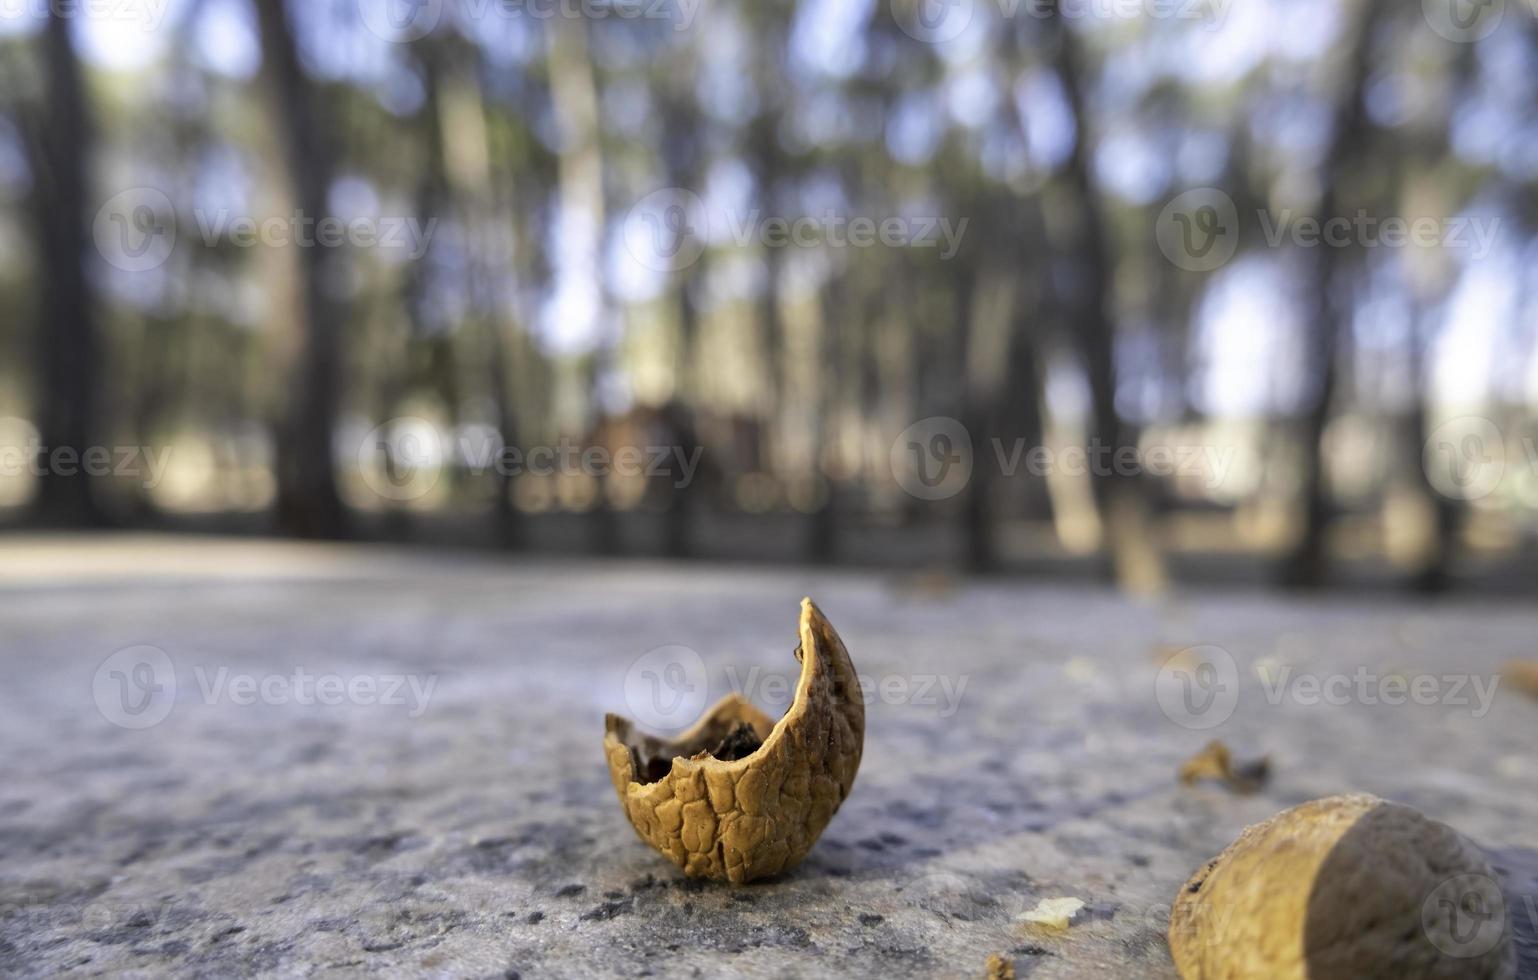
(726, 739)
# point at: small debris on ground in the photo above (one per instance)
(1000, 968)
(1053, 914)
(933, 584)
(1522, 675)
(1216, 762)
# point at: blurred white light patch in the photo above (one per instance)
(1304, 30)
(1226, 49)
(19, 439)
(971, 97)
(23, 21)
(1463, 358)
(1247, 342)
(1050, 129)
(914, 129)
(225, 39)
(1131, 166)
(828, 35)
(1202, 156)
(126, 36)
(572, 317)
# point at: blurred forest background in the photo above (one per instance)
(573, 207)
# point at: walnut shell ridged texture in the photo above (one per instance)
(1338, 888)
(756, 816)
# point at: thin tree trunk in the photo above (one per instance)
(308, 504)
(683, 152)
(1132, 558)
(68, 343)
(822, 527)
(574, 91)
(1308, 564)
(1434, 566)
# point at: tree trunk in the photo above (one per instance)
(308, 504)
(1308, 564)
(68, 344)
(1132, 558)
(574, 91)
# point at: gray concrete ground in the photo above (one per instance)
(196, 809)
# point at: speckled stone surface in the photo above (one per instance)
(1018, 751)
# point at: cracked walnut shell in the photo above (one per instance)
(739, 796)
(1348, 886)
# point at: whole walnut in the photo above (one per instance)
(1344, 887)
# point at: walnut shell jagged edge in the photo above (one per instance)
(759, 815)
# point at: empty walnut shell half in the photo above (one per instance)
(740, 796)
(1348, 886)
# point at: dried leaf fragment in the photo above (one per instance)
(1216, 762)
(740, 796)
(1348, 886)
(1000, 968)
